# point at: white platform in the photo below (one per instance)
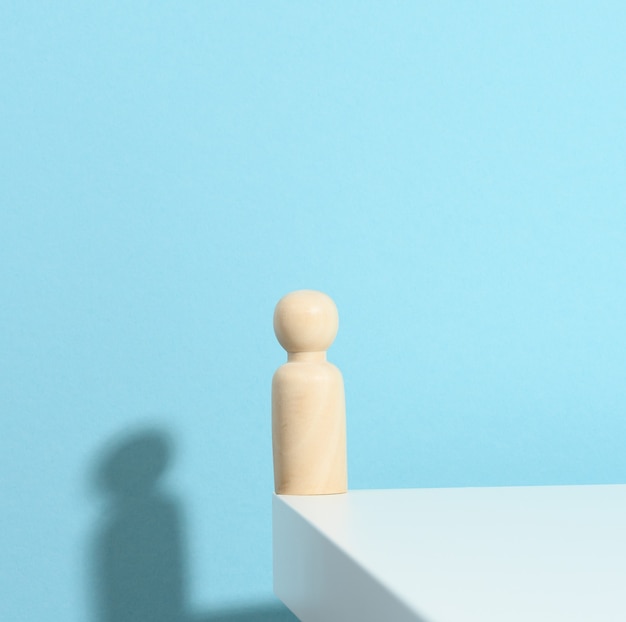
(525, 554)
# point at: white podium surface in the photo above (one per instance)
(519, 554)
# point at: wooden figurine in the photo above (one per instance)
(308, 403)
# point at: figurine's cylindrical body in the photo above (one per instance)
(308, 403)
(309, 429)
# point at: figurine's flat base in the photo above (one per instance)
(524, 554)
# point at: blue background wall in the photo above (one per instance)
(453, 175)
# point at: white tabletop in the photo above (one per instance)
(522, 554)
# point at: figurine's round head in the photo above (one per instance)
(306, 321)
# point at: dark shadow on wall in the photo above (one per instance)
(257, 613)
(139, 547)
(139, 554)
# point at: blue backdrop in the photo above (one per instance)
(453, 175)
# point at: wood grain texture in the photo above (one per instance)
(308, 402)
